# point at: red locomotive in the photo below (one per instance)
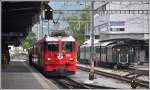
(55, 55)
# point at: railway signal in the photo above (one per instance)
(48, 12)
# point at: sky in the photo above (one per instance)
(59, 6)
(66, 6)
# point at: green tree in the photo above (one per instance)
(26, 45)
(77, 28)
(29, 40)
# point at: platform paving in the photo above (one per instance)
(19, 75)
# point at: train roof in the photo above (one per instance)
(98, 44)
(68, 38)
(104, 43)
(88, 42)
(107, 43)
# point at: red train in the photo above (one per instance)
(55, 55)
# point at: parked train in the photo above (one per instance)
(55, 55)
(109, 54)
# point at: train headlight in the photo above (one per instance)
(48, 59)
(71, 59)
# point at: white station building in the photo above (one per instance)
(120, 20)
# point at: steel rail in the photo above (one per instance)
(123, 78)
(69, 83)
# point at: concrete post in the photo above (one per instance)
(91, 74)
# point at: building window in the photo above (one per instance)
(117, 23)
(121, 29)
(96, 36)
(117, 29)
(87, 36)
(103, 29)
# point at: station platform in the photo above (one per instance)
(19, 75)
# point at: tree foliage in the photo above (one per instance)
(26, 44)
(29, 40)
(77, 28)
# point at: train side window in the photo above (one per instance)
(103, 50)
(98, 50)
(81, 49)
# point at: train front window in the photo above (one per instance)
(52, 47)
(68, 46)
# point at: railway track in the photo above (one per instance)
(123, 78)
(140, 72)
(68, 83)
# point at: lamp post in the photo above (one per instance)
(91, 74)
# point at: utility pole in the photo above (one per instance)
(91, 74)
(43, 15)
(42, 27)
